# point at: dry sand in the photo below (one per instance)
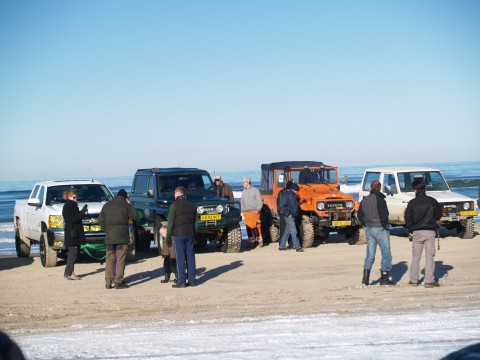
(259, 282)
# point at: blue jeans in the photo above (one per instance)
(290, 229)
(185, 255)
(381, 237)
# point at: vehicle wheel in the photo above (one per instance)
(356, 236)
(322, 233)
(307, 232)
(22, 243)
(48, 256)
(465, 229)
(274, 233)
(233, 239)
(142, 239)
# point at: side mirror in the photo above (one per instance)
(34, 202)
(150, 193)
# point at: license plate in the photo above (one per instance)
(468, 213)
(210, 217)
(342, 223)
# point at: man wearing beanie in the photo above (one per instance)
(252, 203)
(114, 219)
(289, 211)
(421, 218)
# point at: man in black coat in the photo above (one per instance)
(421, 218)
(114, 218)
(182, 226)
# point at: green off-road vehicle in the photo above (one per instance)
(152, 193)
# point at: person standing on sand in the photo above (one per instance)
(181, 229)
(251, 204)
(114, 218)
(421, 218)
(73, 231)
(289, 211)
(373, 214)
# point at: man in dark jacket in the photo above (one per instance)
(182, 226)
(421, 218)
(114, 218)
(373, 214)
(289, 210)
(223, 190)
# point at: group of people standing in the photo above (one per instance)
(421, 218)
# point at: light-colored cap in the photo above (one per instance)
(217, 177)
(247, 179)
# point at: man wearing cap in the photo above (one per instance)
(252, 203)
(421, 218)
(114, 218)
(289, 211)
(223, 190)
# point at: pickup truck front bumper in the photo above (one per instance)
(56, 238)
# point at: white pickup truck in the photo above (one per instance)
(458, 210)
(39, 219)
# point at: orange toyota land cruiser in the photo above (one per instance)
(323, 207)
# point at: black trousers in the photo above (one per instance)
(169, 265)
(71, 260)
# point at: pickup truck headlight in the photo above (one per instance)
(200, 209)
(55, 222)
(466, 206)
(320, 206)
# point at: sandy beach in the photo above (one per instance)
(259, 282)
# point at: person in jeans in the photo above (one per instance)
(289, 211)
(73, 231)
(421, 218)
(114, 218)
(181, 229)
(373, 214)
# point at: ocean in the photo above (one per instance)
(463, 177)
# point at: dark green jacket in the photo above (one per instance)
(114, 219)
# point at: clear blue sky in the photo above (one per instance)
(101, 88)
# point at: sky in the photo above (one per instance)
(101, 88)
(421, 335)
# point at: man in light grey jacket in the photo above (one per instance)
(252, 203)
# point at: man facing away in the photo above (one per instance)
(182, 226)
(252, 203)
(421, 218)
(373, 214)
(289, 211)
(114, 218)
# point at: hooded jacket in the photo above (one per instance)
(114, 218)
(422, 213)
(373, 211)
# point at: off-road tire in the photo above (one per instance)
(233, 239)
(22, 243)
(356, 236)
(274, 233)
(322, 233)
(307, 232)
(466, 229)
(142, 239)
(48, 256)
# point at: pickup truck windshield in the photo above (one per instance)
(85, 193)
(191, 182)
(434, 181)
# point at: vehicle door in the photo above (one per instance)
(395, 202)
(33, 214)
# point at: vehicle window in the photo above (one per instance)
(41, 193)
(85, 193)
(140, 184)
(34, 192)
(280, 176)
(389, 185)
(369, 177)
(315, 176)
(433, 180)
(191, 182)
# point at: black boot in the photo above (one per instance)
(167, 278)
(385, 280)
(366, 277)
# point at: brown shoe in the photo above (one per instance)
(260, 243)
(413, 283)
(432, 285)
(72, 277)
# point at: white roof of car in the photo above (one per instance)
(401, 169)
(69, 182)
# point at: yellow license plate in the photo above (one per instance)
(210, 217)
(341, 223)
(468, 213)
(92, 228)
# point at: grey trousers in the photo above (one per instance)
(423, 239)
(119, 252)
